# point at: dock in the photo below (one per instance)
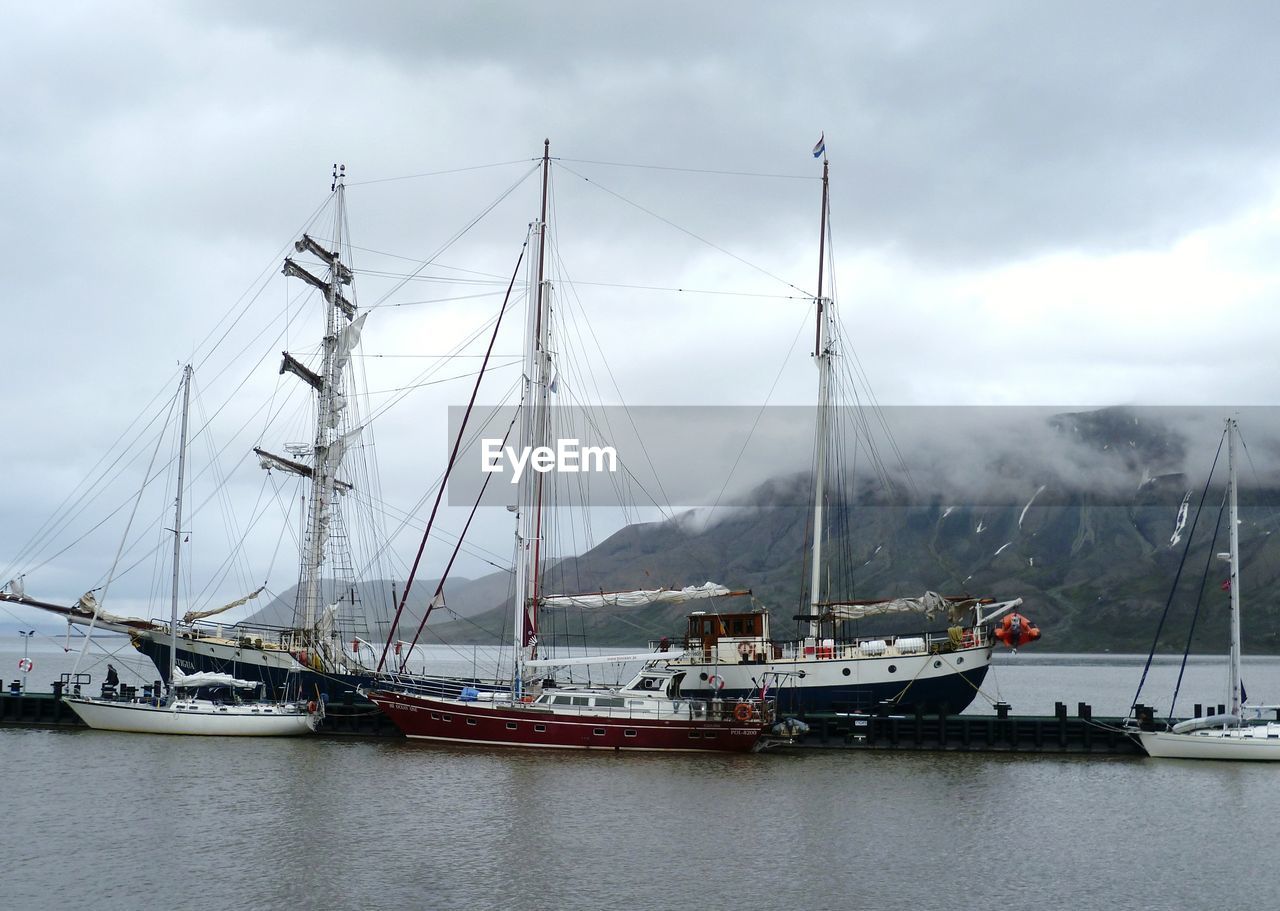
(1078, 733)
(1004, 732)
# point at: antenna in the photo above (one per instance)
(339, 175)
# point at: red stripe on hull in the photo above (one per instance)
(476, 723)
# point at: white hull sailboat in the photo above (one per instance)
(191, 715)
(1228, 736)
(1232, 741)
(185, 710)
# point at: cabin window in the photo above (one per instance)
(447, 718)
(472, 722)
(581, 700)
(695, 735)
(610, 702)
(628, 733)
(435, 716)
(599, 732)
(540, 728)
(710, 735)
(511, 725)
(564, 700)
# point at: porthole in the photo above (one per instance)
(959, 661)
(846, 671)
(937, 664)
(800, 674)
(893, 669)
(702, 676)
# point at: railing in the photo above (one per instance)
(737, 650)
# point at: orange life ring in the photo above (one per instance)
(311, 707)
(742, 711)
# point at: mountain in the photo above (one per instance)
(1085, 517)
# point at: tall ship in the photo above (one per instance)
(938, 666)
(327, 647)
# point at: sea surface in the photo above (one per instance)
(117, 821)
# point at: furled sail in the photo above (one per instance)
(194, 615)
(931, 604)
(191, 681)
(642, 598)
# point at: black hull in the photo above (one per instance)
(334, 687)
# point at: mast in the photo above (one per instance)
(1233, 517)
(822, 352)
(533, 432)
(177, 525)
(341, 334)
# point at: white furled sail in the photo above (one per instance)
(192, 681)
(642, 598)
(931, 604)
(193, 615)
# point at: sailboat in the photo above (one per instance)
(649, 713)
(731, 654)
(1231, 735)
(206, 704)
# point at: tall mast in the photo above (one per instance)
(1233, 516)
(177, 525)
(534, 427)
(822, 352)
(341, 333)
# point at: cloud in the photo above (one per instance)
(1031, 205)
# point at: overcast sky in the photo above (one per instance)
(1032, 203)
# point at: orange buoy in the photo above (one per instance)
(1016, 630)
(742, 712)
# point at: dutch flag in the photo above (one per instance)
(821, 148)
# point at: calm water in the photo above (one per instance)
(114, 821)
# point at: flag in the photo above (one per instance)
(821, 147)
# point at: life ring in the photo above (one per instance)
(311, 707)
(25, 665)
(716, 682)
(742, 711)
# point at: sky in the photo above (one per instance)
(1032, 204)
